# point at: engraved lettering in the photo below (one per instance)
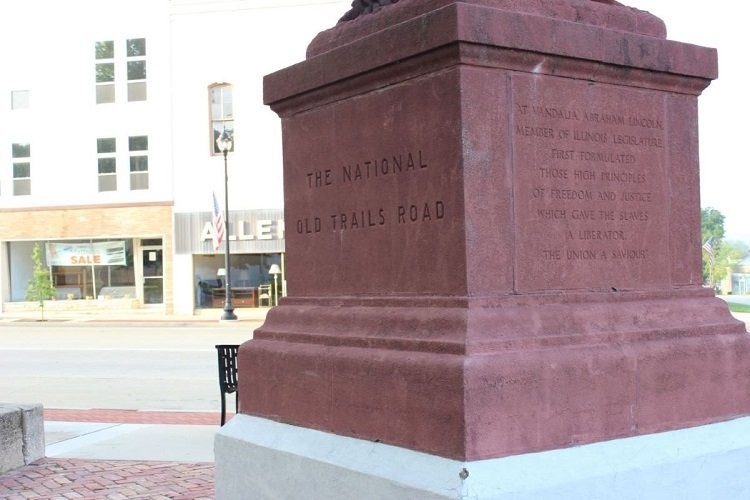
(570, 194)
(588, 197)
(634, 215)
(631, 196)
(553, 173)
(547, 133)
(584, 175)
(556, 113)
(421, 213)
(645, 122)
(606, 157)
(605, 118)
(630, 254)
(563, 154)
(385, 166)
(582, 214)
(554, 254)
(588, 234)
(632, 140)
(549, 213)
(319, 178)
(624, 177)
(590, 136)
(308, 226)
(358, 219)
(581, 254)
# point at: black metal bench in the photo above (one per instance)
(228, 376)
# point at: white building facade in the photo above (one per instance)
(107, 153)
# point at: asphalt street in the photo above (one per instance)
(169, 366)
(152, 365)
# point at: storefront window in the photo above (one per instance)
(92, 269)
(79, 269)
(248, 272)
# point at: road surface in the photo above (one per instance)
(116, 366)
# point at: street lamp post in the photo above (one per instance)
(224, 142)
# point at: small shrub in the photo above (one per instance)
(40, 285)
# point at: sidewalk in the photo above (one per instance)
(120, 454)
(132, 316)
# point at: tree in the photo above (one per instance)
(712, 232)
(718, 255)
(40, 285)
(712, 224)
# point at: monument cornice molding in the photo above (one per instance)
(470, 34)
(606, 13)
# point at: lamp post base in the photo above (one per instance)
(228, 314)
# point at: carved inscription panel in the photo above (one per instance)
(372, 194)
(591, 197)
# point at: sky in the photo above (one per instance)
(725, 170)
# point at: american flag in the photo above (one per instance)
(709, 249)
(219, 228)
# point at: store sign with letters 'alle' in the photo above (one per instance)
(100, 253)
(261, 229)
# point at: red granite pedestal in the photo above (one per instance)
(493, 234)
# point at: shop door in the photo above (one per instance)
(153, 278)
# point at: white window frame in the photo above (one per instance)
(137, 88)
(21, 185)
(107, 178)
(221, 115)
(137, 177)
(109, 84)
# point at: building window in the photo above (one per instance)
(19, 99)
(21, 169)
(222, 114)
(138, 147)
(105, 71)
(136, 61)
(91, 268)
(107, 164)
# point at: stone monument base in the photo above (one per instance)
(261, 459)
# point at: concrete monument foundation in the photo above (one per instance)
(493, 236)
(264, 459)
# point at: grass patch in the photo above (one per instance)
(739, 308)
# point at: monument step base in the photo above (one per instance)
(263, 459)
(491, 379)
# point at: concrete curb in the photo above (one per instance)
(21, 435)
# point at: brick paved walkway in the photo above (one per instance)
(134, 416)
(63, 479)
(70, 478)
